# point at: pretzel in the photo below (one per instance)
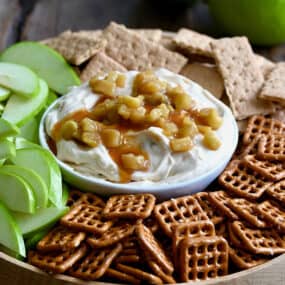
(259, 125)
(56, 262)
(205, 203)
(245, 260)
(152, 224)
(111, 236)
(272, 213)
(272, 170)
(203, 258)
(152, 249)
(74, 196)
(129, 206)
(248, 211)
(191, 230)
(272, 147)
(257, 241)
(250, 149)
(180, 210)
(60, 239)
(220, 200)
(139, 274)
(95, 264)
(277, 191)
(84, 217)
(156, 268)
(243, 181)
(121, 276)
(91, 199)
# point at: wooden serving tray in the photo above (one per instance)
(15, 272)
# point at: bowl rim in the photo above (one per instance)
(140, 188)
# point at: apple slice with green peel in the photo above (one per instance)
(4, 94)
(44, 164)
(7, 149)
(44, 61)
(2, 161)
(65, 194)
(19, 110)
(16, 193)
(37, 184)
(8, 129)
(11, 253)
(42, 219)
(11, 236)
(51, 98)
(35, 238)
(29, 131)
(19, 79)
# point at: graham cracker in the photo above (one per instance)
(75, 48)
(153, 35)
(90, 34)
(265, 64)
(274, 87)
(167, 41)
(207, 75)
(192, 42)
(136, 53)
(279, 115)
(100, 63)
(242, 76)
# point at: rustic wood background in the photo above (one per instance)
(38, 19)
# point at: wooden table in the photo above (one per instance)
(39, 19)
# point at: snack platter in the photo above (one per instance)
(233, 233)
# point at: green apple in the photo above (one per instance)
(262, 21)
(51, 98)
(16, 193)
(7, 149)
(19, 110)
(10, 236)
(4, 94)
(2, 161)
(44, 61)
(44, 164)
(37, 184)
(29, 130)
(32, 241)
(19, 79)
(43, 218)
(8, 129)
(12, 253)
(65, 194)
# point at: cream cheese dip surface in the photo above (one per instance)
(164, 165)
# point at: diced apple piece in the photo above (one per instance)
(43, 218)
(19, 110)
(19, 79)
(35, 238)
(44, 61)
(44, 164)
(10, 236)
(8, 129)
(4, 94)
(16, 193)
(37, 184)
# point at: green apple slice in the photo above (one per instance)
(65, 194)
(7, 149)
(12, 253)
(44, 61)
(19, 79)
(4, 94)
(19, 110)
(43, 218)
(44, 164)
(32, 241)
(37, 184)
(51, 98)
(16, 193)
(29, 130)
(2, 161)
(8, 129)
(10, 236)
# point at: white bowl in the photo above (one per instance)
(161, 190)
